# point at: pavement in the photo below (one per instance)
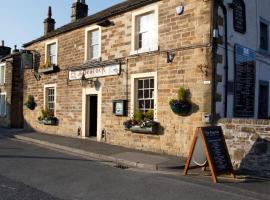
(123, 157)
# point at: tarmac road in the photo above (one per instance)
(32, 172)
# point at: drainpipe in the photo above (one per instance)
(224, 10)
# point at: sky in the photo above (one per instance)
(22, 20)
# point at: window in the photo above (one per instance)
(145, 30)
(2, 74)
(50, 98)
(264, 36)
(144, 92)
(51, 52)
(2, 104)
(93, 43)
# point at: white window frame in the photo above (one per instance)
(45, 95)
(5, 113)
(134, 78)
(86, 43)
(135, 15)
(4, 81)
(46, 50)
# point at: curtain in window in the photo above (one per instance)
(52, 53)
(2, 75)
(93, 44)
(146, 31)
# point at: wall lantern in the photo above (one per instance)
(170, 56)
(92, 82)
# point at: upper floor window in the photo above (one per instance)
(239, 16)
(2, 74)
(145, 30)
(264, 35)
(51, 53)
(93, 43)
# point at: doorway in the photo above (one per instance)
(92, 116)
(263, 100)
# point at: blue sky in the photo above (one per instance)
(22, 20)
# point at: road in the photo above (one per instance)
(32, 172)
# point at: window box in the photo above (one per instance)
(47, 70)
(153, 129)
(51, 122)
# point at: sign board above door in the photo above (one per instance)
(95, 72)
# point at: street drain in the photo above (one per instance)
(119, 166)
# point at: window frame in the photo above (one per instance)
(4, 76)
(134, 89)
(134, 40)
(46, 96)
(48, 43)
(5, 113)
(87, 49)
(264, 21)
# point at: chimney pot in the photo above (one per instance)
(3, 43)
(49, 23)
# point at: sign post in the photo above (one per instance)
(211, 141)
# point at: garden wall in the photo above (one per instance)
(248, 142)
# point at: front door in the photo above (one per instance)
(263, 100)
(93, 104)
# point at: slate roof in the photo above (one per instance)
(117, 9)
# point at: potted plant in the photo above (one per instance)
(30, 103)
(181, 106)
(47, 117)
(142, 123)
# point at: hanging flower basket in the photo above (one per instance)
(181, 108)
(30, 104)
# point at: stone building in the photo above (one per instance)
(132, 56)
(11, 90)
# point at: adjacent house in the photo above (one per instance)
(11, 88)
(177, 64)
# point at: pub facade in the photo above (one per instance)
(141, 74)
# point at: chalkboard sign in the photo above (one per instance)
(210, 147)
(245, 76)
(239, 16)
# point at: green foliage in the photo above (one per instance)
(30, 98)
(138, 116)
(45, 114)
(182, 94)
(149, 114)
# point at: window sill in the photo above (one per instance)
(145, 50)
(98, 59)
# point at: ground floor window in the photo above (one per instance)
(144, 92)
(2, 104)
(50, 92)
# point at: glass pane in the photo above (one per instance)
(152, 93)
(147, 104)
(141, 104)
(140, 84)
(94, 37)
(146, 94)
(152, 83)
(146, 83)
(140, 94)
(152, 104)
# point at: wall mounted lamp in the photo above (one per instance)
(170, 56)
(91, 82)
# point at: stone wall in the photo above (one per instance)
(248, 143)
(189, 37)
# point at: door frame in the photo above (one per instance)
(85, 92)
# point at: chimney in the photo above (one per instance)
(79, 10)
(49, 22)
(4, 51)
(15, 50)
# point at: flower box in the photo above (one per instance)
(152, 128)
(51, 122)
(47, 70)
